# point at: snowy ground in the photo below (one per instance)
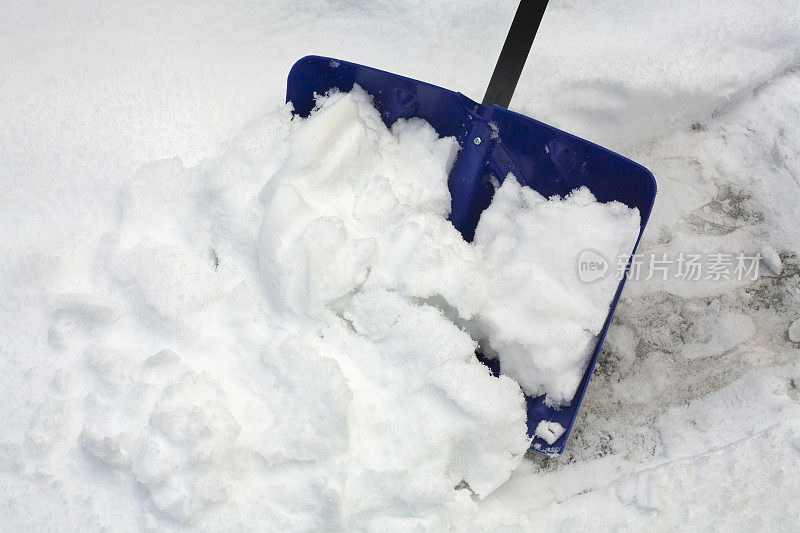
(692, 419)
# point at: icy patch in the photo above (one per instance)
(748, 407)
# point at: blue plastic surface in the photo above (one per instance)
(540, 156)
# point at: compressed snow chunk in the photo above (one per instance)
(428, 257)
(426, 414)
(187, 448)
(484, 454)
(540, 319)
(307, 407)
(794, 331)
(414, 336)
(549, 431)
(104, 449)
(770, 262)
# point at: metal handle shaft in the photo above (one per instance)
(514, 53)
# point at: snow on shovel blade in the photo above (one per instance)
(494, 142)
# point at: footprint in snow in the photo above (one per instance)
(77, 313)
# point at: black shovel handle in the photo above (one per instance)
(514, 53)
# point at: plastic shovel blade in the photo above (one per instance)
(540, 156)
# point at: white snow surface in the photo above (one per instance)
(549, 431)
(540, 319)
(123, 409)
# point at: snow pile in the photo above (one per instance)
(237, 361)
(320, 352)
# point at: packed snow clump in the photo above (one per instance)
(549, 431)
(540, 318)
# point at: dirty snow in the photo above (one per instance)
(691, 419)
(794, 331)
(770, 261)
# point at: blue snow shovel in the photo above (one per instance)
(494, 142)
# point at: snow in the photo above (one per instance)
(541, 319)
(794, 331)
(771, 260)
(549, 431)
(398, 426)
(132, 161)
(356, 206)
(226, 360)
(715, 332)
